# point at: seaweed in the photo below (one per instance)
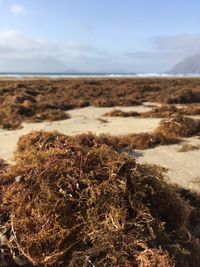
(73, 201)
(118, 143)
(50, 115)
(31, 100)
(3, 165)
(166, 111)
(191, 109)
(184, 96)
(163, 111)
(179, 126)
(120, 113)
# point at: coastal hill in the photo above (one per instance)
(188, 65)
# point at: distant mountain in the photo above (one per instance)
(187, 66)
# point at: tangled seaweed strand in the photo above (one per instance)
(121, 113)
(118, 143)
(179, 126)
(76, 202)
(163, 111)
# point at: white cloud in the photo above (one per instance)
(164, 53)
(32, 64)
(181, 43)
(18, 49)
(17, 9)
(148, 61)
(16, 41)
(20, 52)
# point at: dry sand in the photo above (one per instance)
(82, 120)
(183, 167)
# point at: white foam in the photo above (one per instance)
(94, 75)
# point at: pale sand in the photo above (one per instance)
(183, 167)
(82, 120)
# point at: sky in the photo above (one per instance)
(137, 36)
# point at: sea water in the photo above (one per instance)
(93, 75)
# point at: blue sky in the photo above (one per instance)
(97, 36)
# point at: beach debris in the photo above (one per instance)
(183, 96)
(81, 203)
(40, 100)
(120, 113)
(179, 126)
(163, 111)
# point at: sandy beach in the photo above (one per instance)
(82, 120)
(99, 133)
(183, 167)
(39, 100)
(83, 159)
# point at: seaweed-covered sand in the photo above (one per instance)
(76, 187)
(36, 100)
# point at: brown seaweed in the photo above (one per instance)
(41, 99)
(72, 201)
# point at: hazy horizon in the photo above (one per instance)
(92, 36)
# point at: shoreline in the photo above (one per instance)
(96, 77)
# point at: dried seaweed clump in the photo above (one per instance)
(13, 114)
(184, 96)
(73, 204)
(130, 141)
(50, 115)
(179, 126)
(43, 140)
(3, 165)
(121, 113)
(163, 111)
(192, 109)
(150, 140)
(101, 102)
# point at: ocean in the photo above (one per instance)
(93, 75)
